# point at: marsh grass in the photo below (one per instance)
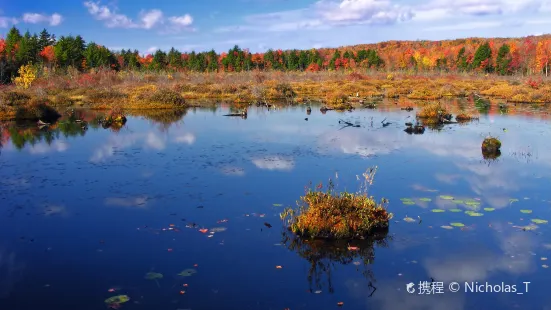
(331, 215)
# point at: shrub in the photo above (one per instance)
(167, 96)
(13, 98)
(338, 215)
(27, 75)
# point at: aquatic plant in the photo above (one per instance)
(491, 148)
(338, 215)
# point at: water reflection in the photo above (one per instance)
(11, 271)
(324, 256)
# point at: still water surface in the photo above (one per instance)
(85, 217)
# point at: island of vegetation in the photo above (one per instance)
(40, 73)
(331, 215)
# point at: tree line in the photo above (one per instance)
(529, 55)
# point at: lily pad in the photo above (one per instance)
(457, 224)
(513, 200)
(456, 210)
(425, 199)
(438, 210)
(472, 203)
(447, 227)
(409, 219)
(278, 205)
(539, 221)
(473, 213)
(119, 299)
(489, 209)
(408, 202)
(187, 273)
(153, 276)
(458, 201)
(526, 211)
(446, 197)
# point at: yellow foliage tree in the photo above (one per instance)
(27, 75)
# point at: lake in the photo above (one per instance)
(181, 211)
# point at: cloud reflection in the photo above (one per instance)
(274, 163)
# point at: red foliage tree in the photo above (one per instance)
(48, 54)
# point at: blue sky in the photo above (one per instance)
(262, 24)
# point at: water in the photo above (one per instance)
(87, 216)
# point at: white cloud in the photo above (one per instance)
(147, 19)
(151, 18)
(363, 12)
(184, 20)
(5, 21)
(465, 26)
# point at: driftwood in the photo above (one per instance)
(408, 109)
(347, 124)
(417, 129)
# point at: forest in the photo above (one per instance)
(511, 56)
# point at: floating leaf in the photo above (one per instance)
(447, 227)
(473, 213)
(438, 210)
(446, 197)
(528, 227)
(457, 224)
(545, 266)
(408, 202)
(187, 273)
(456, 210)
(425, 199)
(489, 209)
(538, 221)
(278, 205)
(526, 211)
(119, 299)
(544, 258)
(153, 276)
(513, 200)
(472, 203)
(409, 219)
(458, 201)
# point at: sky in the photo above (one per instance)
(259, 25)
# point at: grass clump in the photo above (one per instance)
(434, 110)
(464, 117)
(334, 215)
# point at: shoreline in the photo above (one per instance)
(339, 90)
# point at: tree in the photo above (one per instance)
(482, 58)
(12, 41)
(45, 39)
(159, 60)
(543, 54)
(99, 56)
(503, 60)
(69, 51)
(174, 58)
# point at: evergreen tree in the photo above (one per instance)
(175, 58)
(482, 58)
(503, 59)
